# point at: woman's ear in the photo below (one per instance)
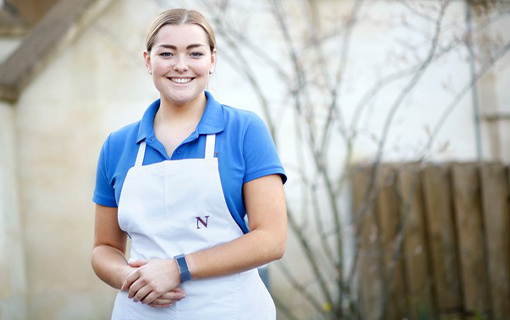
(213, 61)
(147, 60)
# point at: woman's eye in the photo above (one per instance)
(165, 54)
(196, 54)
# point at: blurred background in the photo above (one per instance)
(392, 119)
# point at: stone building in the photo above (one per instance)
(71, 71)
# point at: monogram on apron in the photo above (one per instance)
(174, 207)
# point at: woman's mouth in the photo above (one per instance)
(180, 80)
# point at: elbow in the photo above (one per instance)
(280, 244)
(94, 260)
(271, 247)
(278, 255)
(279, 249)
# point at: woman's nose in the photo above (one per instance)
(181, 64)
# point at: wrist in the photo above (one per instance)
(123, 273)
(182, 266)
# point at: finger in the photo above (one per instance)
(155, 297)
(138, 263)
(168, 298)
(135, 287)
(149, 298)
(162, 301)
(132, 277)
(172, 295)
(177, 290)
(159, 306)
(142, 294)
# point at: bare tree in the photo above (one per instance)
(330, 120)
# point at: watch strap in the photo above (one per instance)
(183, 268)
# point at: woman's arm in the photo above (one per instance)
(265, 205)
(108, 256)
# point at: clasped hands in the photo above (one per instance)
(154, 282)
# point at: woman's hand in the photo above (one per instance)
(168, 299)
(151, 280)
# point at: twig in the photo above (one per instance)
(303, 91)
(398, 247)
(280, 306)
(372, 193)
(313, 34)
(467, 87)
(474, 89)
(416, 12)
(489, 21)
(391, 78)
(320, 228)
(335, 93)
(248, 72)
(261, 54)
(412, 83)
(310, 258)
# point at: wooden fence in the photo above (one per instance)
(434, 241)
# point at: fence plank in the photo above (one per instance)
(442, 240)
(418, 277)
(370, 273)
(496, 210)
(388, 211)
(471, 240)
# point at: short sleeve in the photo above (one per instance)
(260, 154)
(104, 194)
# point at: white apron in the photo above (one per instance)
(177, 207)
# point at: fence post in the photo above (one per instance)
(442, 237)
(496, 209)
(471, 238)
(418, 277)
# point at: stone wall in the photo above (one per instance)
(13, 286)
(96, 83)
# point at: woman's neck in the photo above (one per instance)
(173, 123)
(171, 113)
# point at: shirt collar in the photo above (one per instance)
(211, 121)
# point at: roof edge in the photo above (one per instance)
(61, 25)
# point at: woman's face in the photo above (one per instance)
(180, 61)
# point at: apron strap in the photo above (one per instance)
(209, 146)
(141, 154)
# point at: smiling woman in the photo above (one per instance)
(180, 63)
(179, 183)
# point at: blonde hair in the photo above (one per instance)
(179, 17)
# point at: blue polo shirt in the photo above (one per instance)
(244, 148)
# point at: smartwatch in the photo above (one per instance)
(183, 268)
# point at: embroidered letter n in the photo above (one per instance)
(201, 221)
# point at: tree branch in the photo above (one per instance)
(310, 258)
(372, 193)
(467, 87)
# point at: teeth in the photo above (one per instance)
(181, 80)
